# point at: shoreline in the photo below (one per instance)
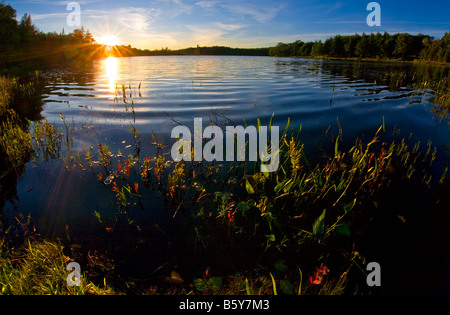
(415, 61)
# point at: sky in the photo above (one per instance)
(154, 24)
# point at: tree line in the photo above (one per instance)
(24, 46)
(401, 46)
(213, 50)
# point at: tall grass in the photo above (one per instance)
(15, 145)
(7, 87)
(40, 269)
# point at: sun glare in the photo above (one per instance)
(111, 72)
(109, 40)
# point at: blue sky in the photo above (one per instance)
(177, 24)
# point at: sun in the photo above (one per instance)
(109, 40)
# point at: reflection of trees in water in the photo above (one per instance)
(393, 75)
(411, 79)
(23, 104)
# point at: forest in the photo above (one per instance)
(23, 46)
(401, 46)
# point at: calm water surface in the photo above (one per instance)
(314, 94)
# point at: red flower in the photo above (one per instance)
(115, 188)
(127, 168)
(320, 272)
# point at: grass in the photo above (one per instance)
(15, 144)
(7, 87)
(40, 269)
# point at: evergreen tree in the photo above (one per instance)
(317, 49)
(361, 46)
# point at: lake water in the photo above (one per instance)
(313, 94)
(319, 95)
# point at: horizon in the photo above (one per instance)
(179, 24)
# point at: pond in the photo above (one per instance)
(102, 102)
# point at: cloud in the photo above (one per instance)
(228, 27)
(207, 4)
(137, 19)
(262, 14)
(127, 18)
(174, 8)
(214, 34)
(37, 17)
(243, 9)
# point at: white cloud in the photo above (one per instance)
(207, 4)
(228, 27)
(262, 14)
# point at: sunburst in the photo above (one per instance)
(109, 40)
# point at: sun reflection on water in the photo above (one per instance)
(111, 66)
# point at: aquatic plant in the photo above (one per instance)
(303, 213)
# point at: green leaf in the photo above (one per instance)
(343, 229)
(215, 283)
(319, 224)
(200, 284)
(280, 265)
(274, 285)
(300, 281)
(248, 289)
(243, 206)
(98, 216)
(349, 206)
(269, 239)
(288, 186)
(249, 187)
(280, 185)
(286, 287)
(336, 147)
(288, 123)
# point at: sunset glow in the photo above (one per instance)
(109, 40)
